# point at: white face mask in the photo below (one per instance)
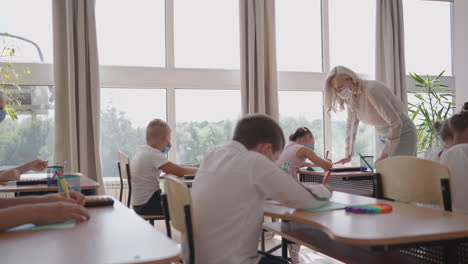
(345, 94)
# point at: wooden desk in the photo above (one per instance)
(406, 224)
(112, 235)
(88, 186)
(353, 182)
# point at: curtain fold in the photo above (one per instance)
(77, 88)
(259, 90)
(390, 48)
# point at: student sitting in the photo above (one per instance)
(15, 173)
(231, 187)
(42, 209)
(301, 147)
(146, 167)
(456, 159)
(445, 134)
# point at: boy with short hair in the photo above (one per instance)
(146, 167)
(231, 186)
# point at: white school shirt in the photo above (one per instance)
(456, 159)
(434, 154)
(228, 196)
(377, 106)
(145, 173)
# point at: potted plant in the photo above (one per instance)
(435, 104)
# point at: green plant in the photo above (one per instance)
(435, 104)
(10, 78)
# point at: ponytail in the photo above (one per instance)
(300, 132)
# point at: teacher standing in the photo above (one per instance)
(372, 103)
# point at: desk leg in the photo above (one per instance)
(284, 248)
(450, 252)
(262, 241)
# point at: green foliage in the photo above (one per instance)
(117, 134)
(10, 78)
(434, 105)
(22, 141)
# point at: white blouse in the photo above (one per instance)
(456, 159)
(377, 106)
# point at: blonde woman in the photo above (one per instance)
(372, 103)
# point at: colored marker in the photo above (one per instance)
(326, 177)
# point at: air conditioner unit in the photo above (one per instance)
(34, 100)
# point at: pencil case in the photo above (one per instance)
(99, 201)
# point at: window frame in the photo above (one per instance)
(172, 78)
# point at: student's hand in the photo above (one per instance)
(344, 160)
(38, 165)
(48, 213)
(75, 197)
(10, 175)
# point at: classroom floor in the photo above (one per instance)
(307, 256)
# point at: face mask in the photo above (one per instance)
(2, 115)
(345, 94)
(167, 148)
(310, 146)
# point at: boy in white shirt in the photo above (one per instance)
(231, 186)
(146, 167)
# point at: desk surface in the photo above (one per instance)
(338, 174)
(406, 224)
(112, 235)
(86, 184)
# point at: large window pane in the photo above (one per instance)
(427, 37)
(31, 21)
(302, 109)
(205, 121)
(131, 33)
(30, 136)
(299, 35)
(352, 34)
(206, 34)
(125, 113)
(364, 143)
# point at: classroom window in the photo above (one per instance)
(299, 35)
(125, 113)
(30, 136)
(205, 121)
(131, 33)
(30, 25)
(428, 48)
(206, 34)
(364, 143)
(352, 34)
(302, 109)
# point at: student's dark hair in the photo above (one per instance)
(254, 129)
(459, 122)
(300, 132)
(443, 130)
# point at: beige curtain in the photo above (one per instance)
(259, 90)
(390, 48)
(76, 77)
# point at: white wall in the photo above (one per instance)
(461, 51)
